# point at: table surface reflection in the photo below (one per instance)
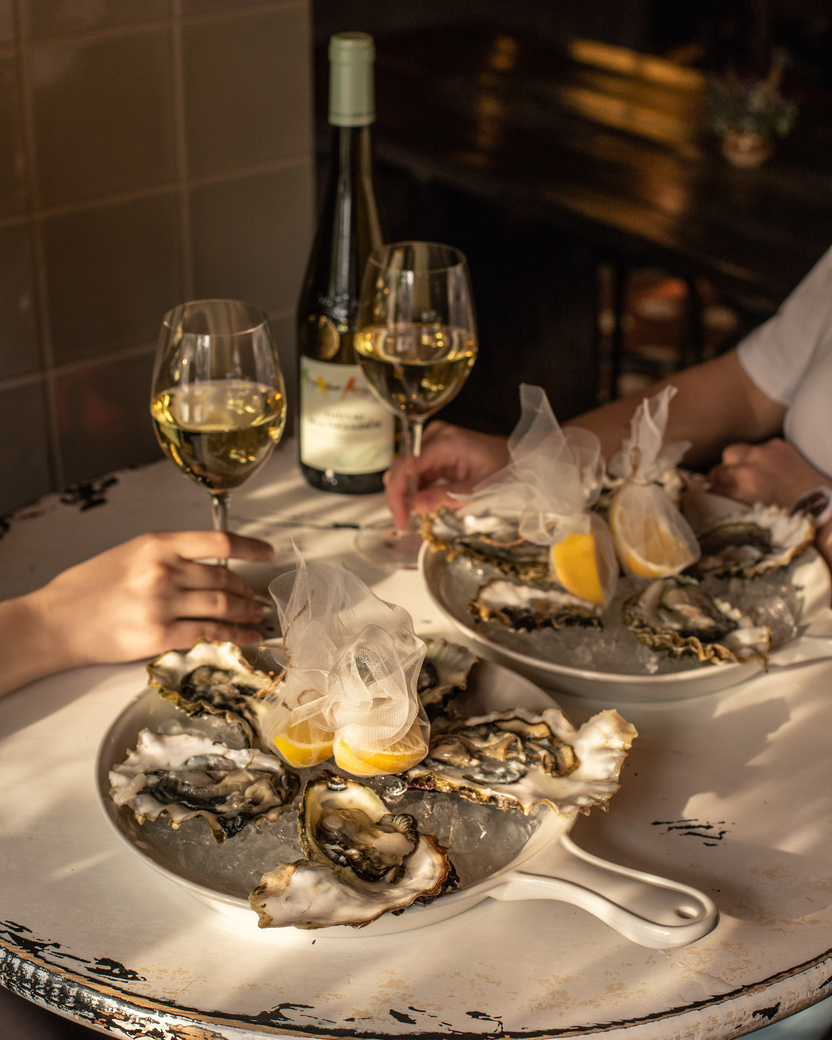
(729, 793)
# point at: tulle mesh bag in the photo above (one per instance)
(553, 479)
(352, 662)
(652, 537)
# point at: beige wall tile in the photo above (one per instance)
(199, 8)
(6, 21)
(103, 117)
(19, 343)
(103, 417)
(243, 103)
(104, 224)
(41, 18)
(13, 193)
(235, 226)
(111, 273)
(24, 466)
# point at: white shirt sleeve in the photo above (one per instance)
(777, 355)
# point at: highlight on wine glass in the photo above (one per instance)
(218, 400)
(416, 341)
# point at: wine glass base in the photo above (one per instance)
(387, 546)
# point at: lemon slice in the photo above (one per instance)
(577, 566)
(396, 758)
(303, 744)
(654, 547)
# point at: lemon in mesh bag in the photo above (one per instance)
(652, 538)
(352, 661)
(584, 562)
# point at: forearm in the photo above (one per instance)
(29, 649)
(716, 404)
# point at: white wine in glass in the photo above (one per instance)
(416, 340)
(218, 401)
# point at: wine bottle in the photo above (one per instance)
(345, 435)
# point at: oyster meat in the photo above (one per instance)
(684, 620)
(532, 607)
(443, 674)
(520, 759)
(186, 775)
(753, 542)
(215, 678)
(487, 538)
(361, 861)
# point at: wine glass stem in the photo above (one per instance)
(412, 439)
(219, 511)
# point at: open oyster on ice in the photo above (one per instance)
(361, 861)
(520, 759)
(443, 675)
(686, 621)
(186, 775)
(487, 537)
(213, 678)
(529, 608)
(752, 542)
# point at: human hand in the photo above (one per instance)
(146, 596)
(773, 472)
(452, 459)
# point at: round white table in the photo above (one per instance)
(730, 793)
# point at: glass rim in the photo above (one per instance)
(257, 317)
(460, 259)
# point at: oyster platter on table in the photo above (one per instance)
(210, 777)
(635, 583)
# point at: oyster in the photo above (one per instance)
(215, 678)
(487, 538)
(362, 861)
(444, 674)
(530, 607)
(753, 542)
(520, 759)
(187, 775)
(684, 620)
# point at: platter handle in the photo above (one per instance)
(649, 910)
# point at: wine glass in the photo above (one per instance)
(218, 401)
(416, 340)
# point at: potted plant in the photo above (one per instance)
(748, 114)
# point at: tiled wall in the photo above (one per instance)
(151, 151)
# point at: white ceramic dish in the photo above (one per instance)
(452, 585)
(650, 910)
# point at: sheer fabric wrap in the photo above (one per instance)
(551, 483)
(352, 662)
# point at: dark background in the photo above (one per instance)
(538, 290)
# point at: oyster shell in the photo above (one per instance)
(684, 620)
(444, 674)
(531, 607)
(520, 759)
(186, 775)
(362, 861)
(215, 678)
(487, 538)
(753, 542)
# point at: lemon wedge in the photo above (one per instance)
(653, 547)
(303, 744)
(396, 758)
(577, 566)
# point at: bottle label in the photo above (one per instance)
(343, 427)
